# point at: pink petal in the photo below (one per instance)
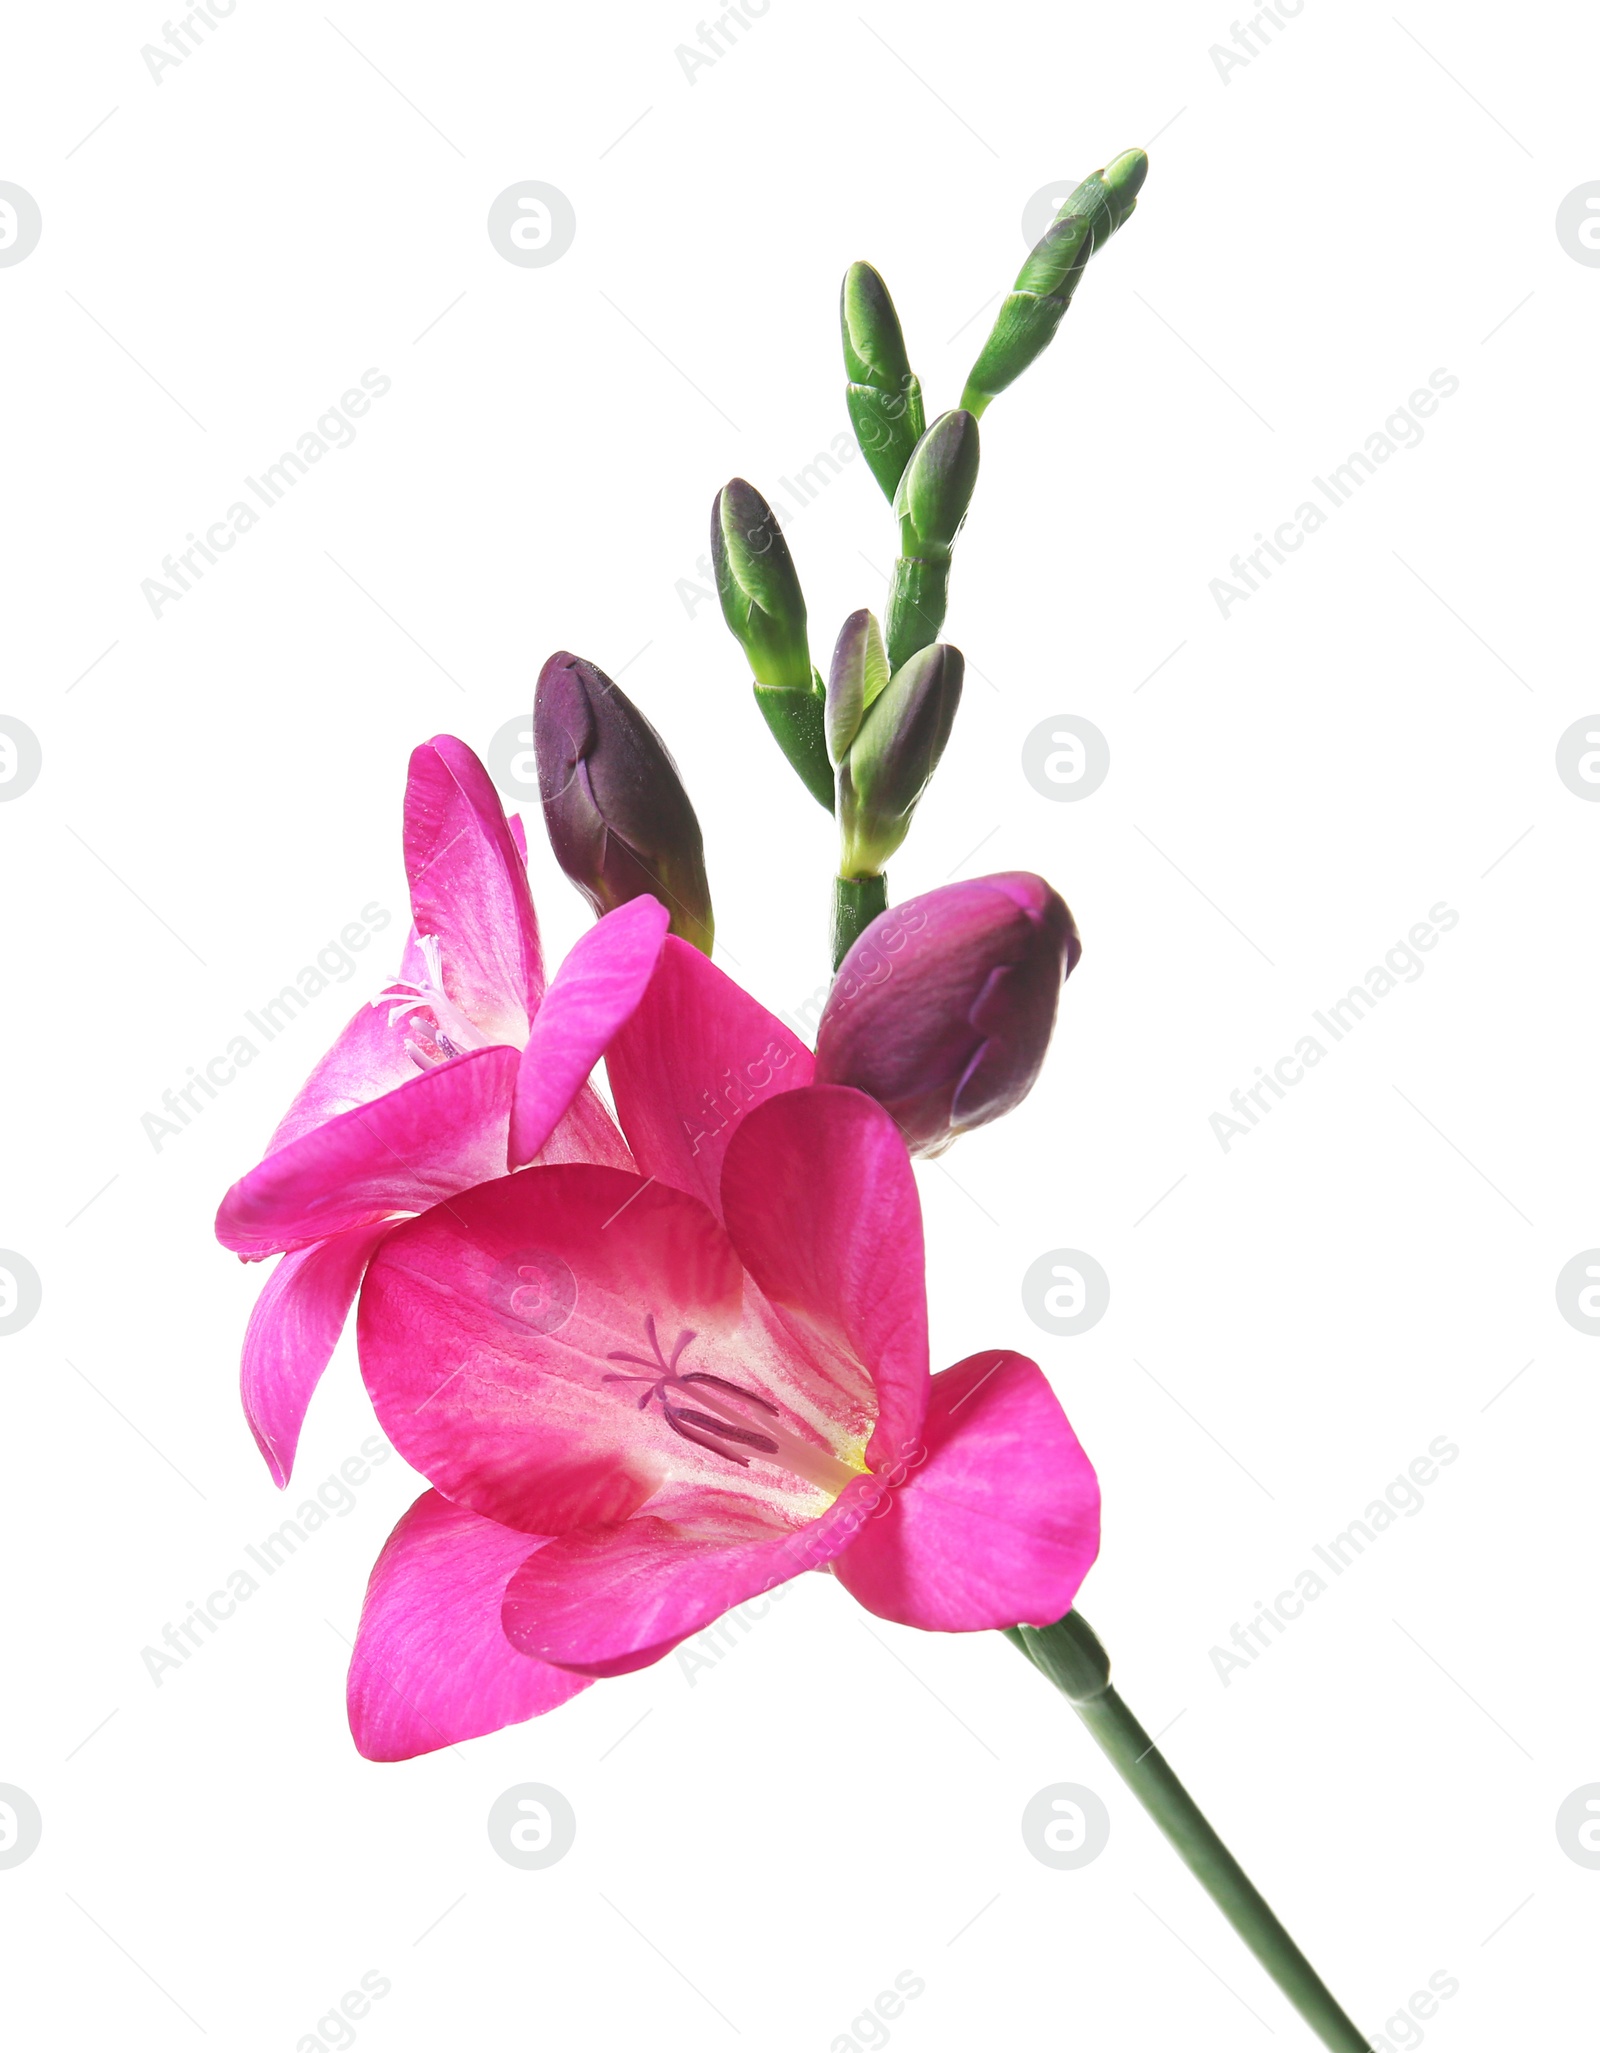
(367, 1060)
(505, 1339)
(609, 1599)
(291, 1336)
(431, 1663)
(441, 1132)
(586, 1132)
(822, 1205)
(695, 1058)
(486, 1331)
(998, 1525)
(469, 889)
(594, 991)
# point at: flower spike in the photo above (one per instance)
(1027, 322)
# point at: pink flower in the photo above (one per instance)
(644, 1398)
(463, 1068)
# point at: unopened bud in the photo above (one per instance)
(936, 489)
(618, 817)
(895, 751)
(931, 502)
(1032, 311)
(857, 675)
(883, 398)
(766, 614)
(944, 1008)
(758, 587)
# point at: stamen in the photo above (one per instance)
(744, 1436)
(722, 1428)
(722, 1383)
(453, 1032)
(685, 1432)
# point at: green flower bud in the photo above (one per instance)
(1031, 314)
(766, 614)
(931, 503)
(883, 397)
(895, 751)
(936, 488)
(760, 593)
(859, 672)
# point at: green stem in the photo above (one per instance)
(919, 592)
(857, 902)
(1071, 1657)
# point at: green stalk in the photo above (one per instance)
(857, 902)
(1069, 1655)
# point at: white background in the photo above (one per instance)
(837, 1800)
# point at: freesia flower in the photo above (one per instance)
(639, 1407)
(943, 1009)
(463, 1068)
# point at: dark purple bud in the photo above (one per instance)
(618, 817)
(944, 1007)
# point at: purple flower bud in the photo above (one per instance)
(943, 1009)
(618, 817)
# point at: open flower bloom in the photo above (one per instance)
(463, 1068)
(640, 1406)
